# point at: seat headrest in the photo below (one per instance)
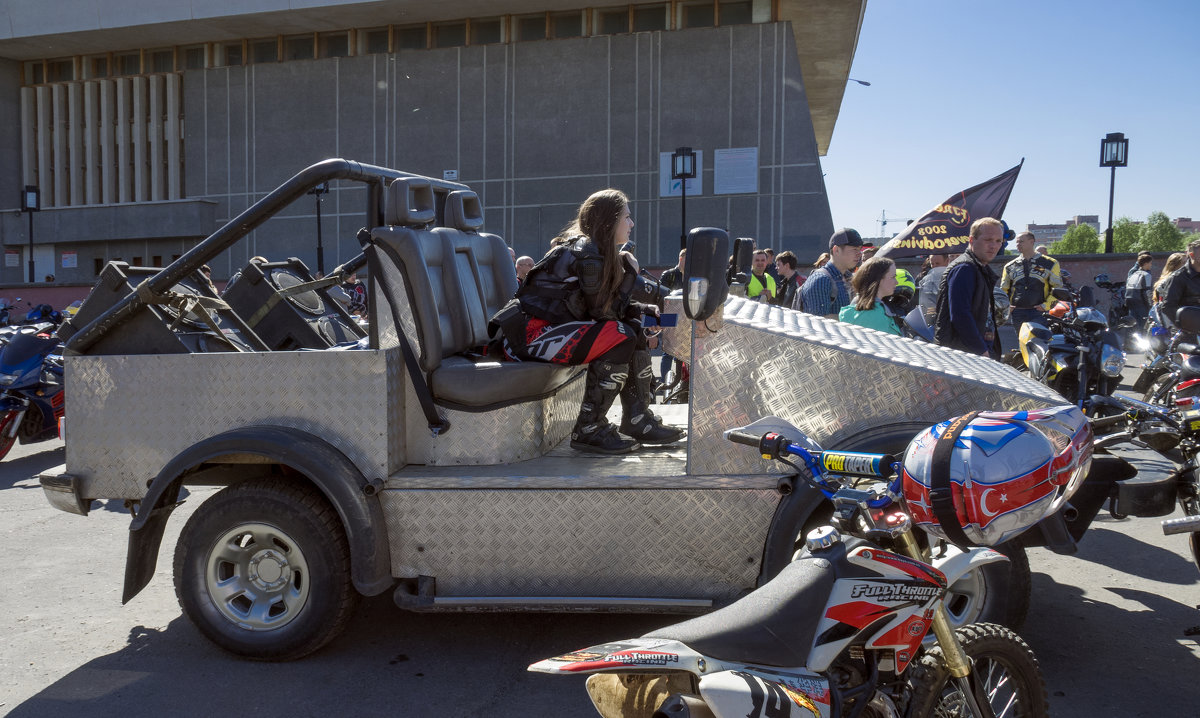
(409, 202)
(463, 210)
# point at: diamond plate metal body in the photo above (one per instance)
(130, 415)
(833, 380)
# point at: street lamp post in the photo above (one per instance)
(317, 191)
(1114, 152)
(31, 198)
(683, 168)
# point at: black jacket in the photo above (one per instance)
(1182, 290)
(959, 335)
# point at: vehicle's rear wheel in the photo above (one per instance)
(263, 570)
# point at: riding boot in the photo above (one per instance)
(593, 431)
(637, 419)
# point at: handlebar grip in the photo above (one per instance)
(853, 463)
(745, 438)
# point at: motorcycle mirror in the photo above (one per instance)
(743, 258)
(704, 284)
(1188, 319)
(1061, 293)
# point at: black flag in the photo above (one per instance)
(944, 229)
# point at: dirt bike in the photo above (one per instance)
(843, 629)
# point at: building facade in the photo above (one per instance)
(144, 133)
(1050, 233)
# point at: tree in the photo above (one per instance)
(1159, 235)
(1126, 234)
(1079, 239)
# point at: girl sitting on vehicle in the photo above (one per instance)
(872, 281)
(577, 305)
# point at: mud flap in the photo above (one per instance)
(635, 695)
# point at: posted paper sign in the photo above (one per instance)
(11, 258)
(668, 187)
(735, 170)
(70, 259)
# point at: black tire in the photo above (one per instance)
(1159, 391)
(263, 570)
(1066, 383)
(993, 593)
(1004, 666)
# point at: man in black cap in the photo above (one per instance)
(825, 292)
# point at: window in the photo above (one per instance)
(610, 21)
(263, 50)
(35, 72)
(60, 70)
(410, 38)
(648, 18)
(156, 260)
(487, 31)
(137, 262)
(161, 60)
(450, 34)
(232, 53)
(333, 44)
(298, 47)
(698, 14)
(129, 63)
(97, 265)
(531, 27)
(736, 13)
(97, 66)
(566, 24)
(195, 57)
(374, 41)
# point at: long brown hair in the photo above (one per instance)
(866, 281)
(597, 219)
(1174, 262)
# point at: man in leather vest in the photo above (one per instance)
(965, 315)
(1028, 281)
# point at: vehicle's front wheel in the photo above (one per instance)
(993, 593)
(263, 570)
(1006, 675)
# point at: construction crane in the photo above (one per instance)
(884, 219)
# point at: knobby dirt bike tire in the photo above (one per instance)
(1005, 669)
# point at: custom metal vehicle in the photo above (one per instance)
(449, 483)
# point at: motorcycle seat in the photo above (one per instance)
(1190, 367)
(772, 626)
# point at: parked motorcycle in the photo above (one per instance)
(1075, 353)
(31, 378)
(843, 629)
(6, 310)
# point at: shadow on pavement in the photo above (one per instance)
(1105, 544)
(26, 468)
(389, 662)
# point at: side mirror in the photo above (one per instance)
(1188, 319)
(1087, 298)
(1061, 293)
(743, 259)
(704, 287)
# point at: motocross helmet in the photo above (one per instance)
(906, 287)
(1004, 472)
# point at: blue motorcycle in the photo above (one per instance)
(31, 377)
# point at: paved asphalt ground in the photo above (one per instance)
(1107, 623)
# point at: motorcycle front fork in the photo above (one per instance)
(10, 430)
(957, 662)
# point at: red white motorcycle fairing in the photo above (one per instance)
(896, 606)
(730, 689)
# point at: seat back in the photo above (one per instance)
(454, 278)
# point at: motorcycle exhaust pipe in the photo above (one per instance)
(683, 706)
(1181, 525)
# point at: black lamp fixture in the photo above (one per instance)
(317, 191)
(1114, 152)
(31, 201)
(683, 168)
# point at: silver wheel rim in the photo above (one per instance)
(998, 686)
(257, 577)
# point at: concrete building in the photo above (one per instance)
(147, 126)
(1048, 233)
(1186, 225)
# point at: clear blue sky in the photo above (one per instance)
(962, 90)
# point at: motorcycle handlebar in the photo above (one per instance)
(745, 438)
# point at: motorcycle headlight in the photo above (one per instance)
(1112, 360)
(8, 379)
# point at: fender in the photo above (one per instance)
(329, 469)
(958, 563)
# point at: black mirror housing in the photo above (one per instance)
(1188, 319)
(743, 260)
(704, 287)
